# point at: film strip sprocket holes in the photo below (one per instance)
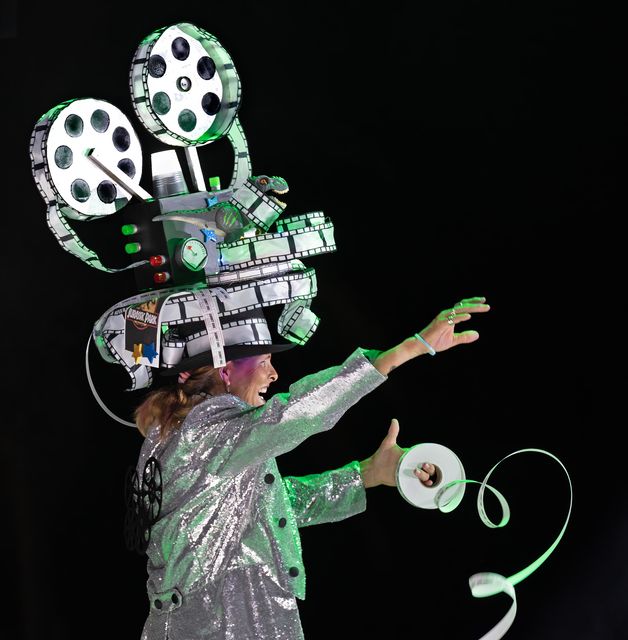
(103, 344)
(275, 247)
(279, 252)
(244, 297)
(242, 167)
(201, 81)
(109, 337)
(297, 323)
(39, 163)
(304, 223)
(183, 307)
(70, 242)
(171, 351)
(256, 205)
(257, 272)
(250, 331)
(141, 375)
(310, 219)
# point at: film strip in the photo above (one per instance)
(141, 375)
(39, 161)
(261, 210)
(257, 272)
(183, 307)
(310, 219)
(297, 323)
(69, 240)
(184, 86)
(278, 247)
(87, 163)
(242, 167)
(110, 338)
(250, 331)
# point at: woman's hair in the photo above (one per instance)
(167, 407)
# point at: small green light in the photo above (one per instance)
(214, 183)
(129, 229)
(132, 247)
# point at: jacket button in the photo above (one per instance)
(175, 598)
(293, 571)
(282, 522)
(158, 604)
(269, 478)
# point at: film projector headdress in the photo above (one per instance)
(206, 261)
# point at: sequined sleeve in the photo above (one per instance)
(250, 435)
(326, 497)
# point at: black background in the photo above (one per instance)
(460, 148)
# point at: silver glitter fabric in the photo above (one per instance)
(224, 558)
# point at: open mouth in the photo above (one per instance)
(260, 394)
(276, 200)
(272, 187)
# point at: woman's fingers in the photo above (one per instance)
(465, 337)
(474, 300)
(424, 473)
(471, 305)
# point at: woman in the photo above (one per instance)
(224, 558)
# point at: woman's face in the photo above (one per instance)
(248, 378)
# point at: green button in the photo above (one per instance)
(132, 247)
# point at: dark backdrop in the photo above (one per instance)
(460, 148)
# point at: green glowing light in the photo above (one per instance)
(132, 247)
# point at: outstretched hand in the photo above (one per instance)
(440, 333)
(381, 467)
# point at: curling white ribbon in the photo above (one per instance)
(482, 584)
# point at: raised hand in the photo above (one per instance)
(440, 333)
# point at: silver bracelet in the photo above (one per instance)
(430, 348)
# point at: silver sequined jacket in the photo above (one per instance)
(227, 512)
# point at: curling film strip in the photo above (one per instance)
(311, 237)
(69, 240)
(182, 307)
(242, 167)
(446, 494)
(255, 273)
(256, 205)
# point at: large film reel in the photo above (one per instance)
(184, 86)
(62, 168)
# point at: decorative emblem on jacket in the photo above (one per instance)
(143, 505)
